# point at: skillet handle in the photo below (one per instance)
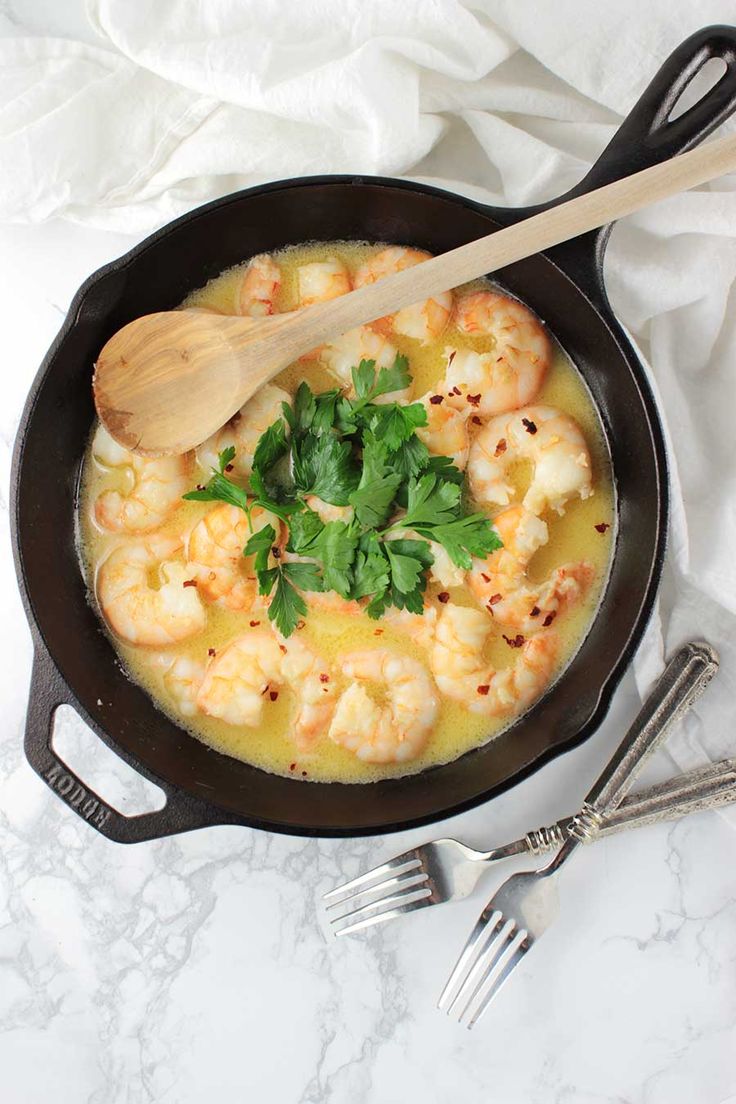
(181, 813)
(648, 136)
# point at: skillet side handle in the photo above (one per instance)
(181, 813)
(648, 136)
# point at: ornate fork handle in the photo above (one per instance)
(709, 787)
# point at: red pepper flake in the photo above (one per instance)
(276, 551)
(300, 624)
(500, 447)
(211, 652)
(189, 582)
(494, 598)
(435, 399)
(283, 648)
(534, 611)
(476, 420)
(529, 426)
(273, 695)
(549, 619)
(201, 487)
(450, 359)
(292, 766)
(325, 689)
(229, 467)
(474, 400)
(265, 689)
(514, 641)
(443, 597)
(455, 390)
(304, 774)
(324, 678)
(254, 623)
(602, 526)
(378, 632)
(484, 577)
(484, 688)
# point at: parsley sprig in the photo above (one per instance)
(365, 454)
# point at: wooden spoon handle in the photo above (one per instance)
(513, 243)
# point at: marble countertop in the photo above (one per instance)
(195, 967)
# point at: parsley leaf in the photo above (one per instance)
(259, 546)
(221, 489)
(324, 466)
(225, 458)
(378, 485)
(306, 576)
(464, 537)
(371, 575)
(429, 501)
(394, 424)
(336, 547)
(288, 606)
(367, 387)
(304, 529)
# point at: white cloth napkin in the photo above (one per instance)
(183, 101)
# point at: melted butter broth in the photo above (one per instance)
(572, 537)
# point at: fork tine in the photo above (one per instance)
(401, 863)
(401, 881)
(487, 956)
(389, 914)
(517, 949)
(488, 920)
(376, 909)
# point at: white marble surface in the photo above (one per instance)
(195, 967)
(166, 971)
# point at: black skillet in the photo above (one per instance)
(75, 662)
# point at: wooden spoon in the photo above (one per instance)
(166, 381)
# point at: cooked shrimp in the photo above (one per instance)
(322, 280)
(157, 486)
(390, 733)
(419, 627)
(313, 686)
(259, 287)
(140, 613)
(327, 512)
(500, 582)
(461, 672)
(346, 352)
(509, 375)
(446, 432)
(182, 678)
(236, 682)
(224, 575)
(424, 321)
(244, 429)
(554, 444)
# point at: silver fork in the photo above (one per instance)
(526, 904)
(447, 870)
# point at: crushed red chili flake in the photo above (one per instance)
(484, 688)
(211, 652)
(534, 611)
(292, 766)
(450, 359)
(549, 619)
(456, 390)
(253, 623)
(201, 487)
(443, 597)
(304, 774)
(283, 648)
(189, 582)
(484, 577)
(324, 678)
(602, 526)
(500, 447)
(476, 420)
(529, 426)
(265, 689)
(300, 624)
(436, 399)
(474, 400)
(273, 695)
(378, 632)
(514, 641)
(229, 467)
(276, 551)
(494, 598)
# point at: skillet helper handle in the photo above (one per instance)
(648, 135)
(683, 681)
(48, 691)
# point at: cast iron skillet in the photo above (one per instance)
(74, 661)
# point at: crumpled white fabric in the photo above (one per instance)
(183, 101)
